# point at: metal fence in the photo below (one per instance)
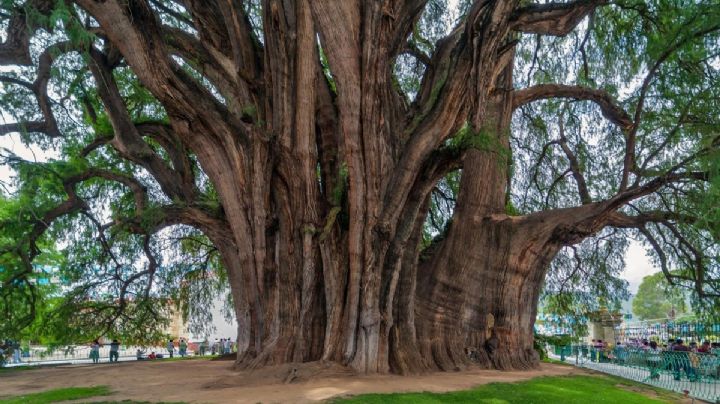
(663, 330)
(34, 355)
(689, 373)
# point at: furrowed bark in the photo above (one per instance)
(324, 182)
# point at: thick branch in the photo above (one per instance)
(609, 107)
(622, 220)
(574, 166)
(553, 18)
(128, 140)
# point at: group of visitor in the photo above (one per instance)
(12, 353)
(114, 350)
(678, 345)
(182, 347)
(672, 345)
(218, 347)
(675, 355)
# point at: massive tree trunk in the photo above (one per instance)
(324, 182)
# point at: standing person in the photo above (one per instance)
(680, 359)
(653, 360)
(227, 346)
(214, 347)
(17, 358)
(221, 348)
(95, 351)
(171, 347)
(114, 350)
(203, 347)
(182, 347)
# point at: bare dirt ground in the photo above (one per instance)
(204, 381)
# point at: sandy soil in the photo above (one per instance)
(205, 381)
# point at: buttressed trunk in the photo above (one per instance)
(325, 184)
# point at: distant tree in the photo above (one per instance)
(656, 298)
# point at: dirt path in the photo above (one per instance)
(214, 382)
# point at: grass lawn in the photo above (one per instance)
(16, 369)
(555, 361)
(562, 389)
(55, 395)
(187, 358)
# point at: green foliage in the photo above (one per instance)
(539, 347)
(442, 206)
(656, 297)
(326, 70)
(341, 183)
(679, 42)
(484, 139)
(556, 340)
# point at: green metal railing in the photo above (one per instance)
(690, 373)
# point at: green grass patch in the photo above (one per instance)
(554, 361)
(55, 395)
(4, 370)
(562, 389)
(187, 358)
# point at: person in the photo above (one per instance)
(227, 346)
(16, 352)
(140, 355)
(680, 346)
(681, 360)
(95, 351)
(182, 347)
(171, 347)
(114, 350)
(214, 347)
(705, 347)
(203, 347)
(671, 344)
(693, 346)
(152, 356)
(653, 360)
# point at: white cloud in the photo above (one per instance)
(637, 265)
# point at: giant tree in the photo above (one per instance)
(298, 146)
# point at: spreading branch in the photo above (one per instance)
(553, 18)
(608, 105)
